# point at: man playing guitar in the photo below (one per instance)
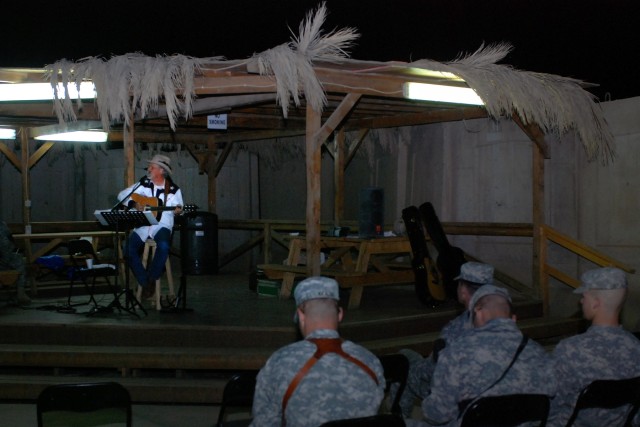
(155, 189)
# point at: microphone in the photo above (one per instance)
(144, 180)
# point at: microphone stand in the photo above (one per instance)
(130, 300)
(135, 187)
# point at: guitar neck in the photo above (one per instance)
(185, 208)
(160, 208)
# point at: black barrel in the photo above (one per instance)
(199, 243)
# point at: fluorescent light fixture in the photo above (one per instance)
(80, 131)
(6, 133)
(43, 91)
(77, 136)
(441, 93)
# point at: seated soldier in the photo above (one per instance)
(604, 351)
(493, 359)
(472, 276)
(322, 377)
(10, 259)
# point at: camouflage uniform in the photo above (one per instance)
(474, 361)
(581, 359)
(333, 389)
(602, 352)
(9, 258)
(421, 369)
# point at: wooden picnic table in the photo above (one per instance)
(354, 262)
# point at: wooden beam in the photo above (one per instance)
(421, 118)
(353, 148)
(223, 157)
(220, 104)
(535, 134)
(236, 84)
(35, 158)
(150, 136)
(336, 118)
(10, 155)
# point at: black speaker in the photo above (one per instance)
(199, 243)
(371, 221)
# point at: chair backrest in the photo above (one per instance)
(609, 394)
(84, 404)
(507, 410)
(380, 420)
(237, 393)
(396, 370)
(83, 248)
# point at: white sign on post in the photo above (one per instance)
(217, 121)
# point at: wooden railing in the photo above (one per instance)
(548, 234)
(268, 231)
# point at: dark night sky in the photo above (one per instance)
(594, 41)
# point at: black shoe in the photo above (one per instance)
(149, 290)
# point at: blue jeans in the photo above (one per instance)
(134, 250)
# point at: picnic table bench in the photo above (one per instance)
(353, 261)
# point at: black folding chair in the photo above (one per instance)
(380, 420)
(609, 394)
(84, 404)
(237, 395)
(79, 251)
(506, 411)
(396, 369)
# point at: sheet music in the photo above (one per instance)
(148, 214)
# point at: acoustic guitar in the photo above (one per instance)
(428, 286)
(450, 258)
(151, 204)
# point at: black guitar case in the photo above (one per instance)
(420, 253)
(450, 258)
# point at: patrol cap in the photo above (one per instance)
(485, 290)
(313, 288)
(606, 278)
(476, 272)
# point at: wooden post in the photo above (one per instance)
(212, 172)
(313, 162)
(338, 178)
(542, 275)
(540, 152)
(537, 215)
(128, 146)
(24, 169)
(26, 199)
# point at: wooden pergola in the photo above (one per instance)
(360, 96)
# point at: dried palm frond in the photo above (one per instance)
(292, 63)
(128, 84)
(557, 104)
(273, 153)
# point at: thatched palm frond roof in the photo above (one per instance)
(557, 104)
(307, 67)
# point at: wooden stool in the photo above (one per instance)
(150, 246)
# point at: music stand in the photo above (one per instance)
(120, 220)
